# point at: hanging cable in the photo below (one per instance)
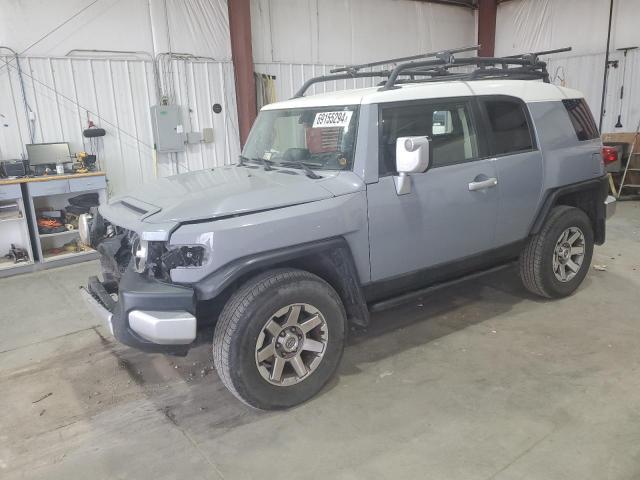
(560, 74)
(46, 35)
(606, 70)
(172, 98)
(27, 109)
(69, 99)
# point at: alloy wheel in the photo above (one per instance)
(568, 254)
(291, 344)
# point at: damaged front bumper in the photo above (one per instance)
(96, 307)
(148, 314)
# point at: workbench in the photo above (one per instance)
(21, 198)
(49, 178)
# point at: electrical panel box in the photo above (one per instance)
(168, 131)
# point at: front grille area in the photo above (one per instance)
(117, 245)
(115, 253)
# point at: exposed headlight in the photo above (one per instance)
(159, 258)
(140, 254)
(184, 256)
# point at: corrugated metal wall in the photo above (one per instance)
(62, 93)
(537, 25)
(584, 73)
(117, 92)
(355, 31)
(291, 76)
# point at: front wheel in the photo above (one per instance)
(555, 261)
(279, 338)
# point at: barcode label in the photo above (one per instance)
(332, 119)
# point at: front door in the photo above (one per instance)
(451, 212)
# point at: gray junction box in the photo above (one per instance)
(168, 131)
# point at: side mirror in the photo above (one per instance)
(412, 156)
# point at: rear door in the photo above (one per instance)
(512, 145)
(442, 219)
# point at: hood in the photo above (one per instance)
(232, 190)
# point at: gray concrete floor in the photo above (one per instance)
(483, 381)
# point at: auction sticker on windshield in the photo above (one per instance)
(332, 119)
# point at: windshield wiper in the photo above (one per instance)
(266, 163)
(307, 171)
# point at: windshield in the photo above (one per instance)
(320, 138)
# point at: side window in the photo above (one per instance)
(287, 133)
(581, 119)
(508, 126)
(442, 123)
(449, 125)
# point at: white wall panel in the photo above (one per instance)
(584, 73)
(534, 25)
(299, 39)
(200, 27)
(291, 76)
(23, 22)
(354, 31)
(530, 25)
(117, 95)
(119, 90)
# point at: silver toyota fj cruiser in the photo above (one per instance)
(349, 202)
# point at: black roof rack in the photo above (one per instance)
(444, 54)
(438, 66)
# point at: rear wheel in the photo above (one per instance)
(279, 338)
(555, 261)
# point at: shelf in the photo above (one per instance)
(46, 178)
(61, 256)
(59, 234)
(51, 193)
(7, 264)
(12, 219)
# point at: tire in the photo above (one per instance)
(540, 267)
(268, 303)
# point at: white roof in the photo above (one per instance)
(528, 90)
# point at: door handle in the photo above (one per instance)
(488, 183)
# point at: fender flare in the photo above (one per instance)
(331, 259)
(599, 186)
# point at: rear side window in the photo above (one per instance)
(509, 127)
(581, 119)
(448, 124)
